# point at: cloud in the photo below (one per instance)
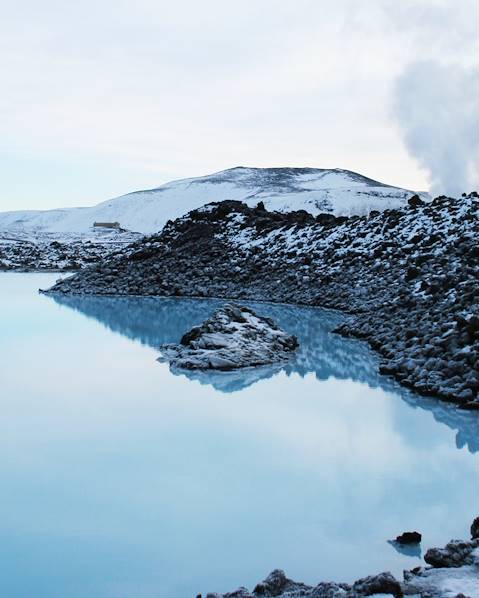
(433, 95)
(166, 90)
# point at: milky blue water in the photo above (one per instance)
(120, 479)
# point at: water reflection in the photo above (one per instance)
(412, 550)
(154, 321)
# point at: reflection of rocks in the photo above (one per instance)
(408, 543)
(234, 337)
(411, 550)
(233, 380)
(465, 422)
(454, 572)
(155, 321)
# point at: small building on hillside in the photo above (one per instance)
(115, 225)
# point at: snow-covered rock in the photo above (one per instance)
(315, 190)
(234, 337)
(445, 583)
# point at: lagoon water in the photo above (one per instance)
(121, 479)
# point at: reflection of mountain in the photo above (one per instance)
(154, 321)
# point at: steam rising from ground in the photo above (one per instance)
(437, 108)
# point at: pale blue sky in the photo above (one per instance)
(104, 97)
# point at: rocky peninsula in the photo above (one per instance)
(408, 279)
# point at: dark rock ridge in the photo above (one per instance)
(453, 571)
(408, 278)
(233, 337)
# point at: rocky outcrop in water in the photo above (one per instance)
(233, 337)
(409, 278)
(453, 571)
(409, 538)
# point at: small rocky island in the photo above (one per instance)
(233, 337)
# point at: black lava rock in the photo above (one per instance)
(409, 538)
(475, 529)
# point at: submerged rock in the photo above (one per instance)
(234, 337)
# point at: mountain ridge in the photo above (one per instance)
(316, 190)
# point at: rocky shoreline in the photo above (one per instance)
(409, 279)
(453, 572)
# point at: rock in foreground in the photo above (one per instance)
(234, 337)
(454, 572)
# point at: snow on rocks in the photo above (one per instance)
(20, 251)
(277, 584)
(455, 573)
(408, 278)
(234, 337)
(455, 554)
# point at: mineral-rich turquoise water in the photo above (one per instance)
(120, 479)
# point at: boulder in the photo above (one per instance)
(277, 584)
(384, 583)
(409, 538)
(415, 201)
(475, 529)
(456, 553)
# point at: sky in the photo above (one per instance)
(104, 97)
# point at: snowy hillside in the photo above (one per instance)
(341, 192)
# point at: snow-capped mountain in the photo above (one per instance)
(341, 192)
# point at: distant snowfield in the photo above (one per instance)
(341, 192)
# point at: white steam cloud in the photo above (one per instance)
(437, 109)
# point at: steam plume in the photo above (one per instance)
(437, 108)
